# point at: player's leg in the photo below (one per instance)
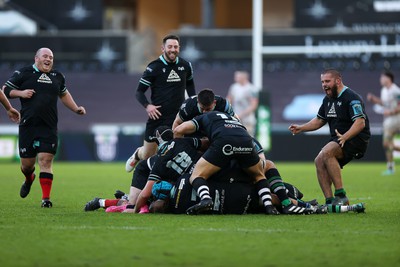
(276, 185)
(202, 171)
(329, 171)
(256, 171)
(388, 146)
(28, 169)
(45, 161)
(148, 149)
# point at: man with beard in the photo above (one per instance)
(168, 77)
(343, 110)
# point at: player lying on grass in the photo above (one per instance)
(178, 156)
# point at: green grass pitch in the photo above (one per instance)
(67, 236)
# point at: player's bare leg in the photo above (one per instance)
(45, 161)
(28, 169)
(388, 145)
(198, 179)
(257, 173)
(328, 172)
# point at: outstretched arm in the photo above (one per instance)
(312, 125)
(69, 102)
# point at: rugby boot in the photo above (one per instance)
(132, 161)
(26, 187)
(341, 201)
(204, 205)
(46, 203)
(92, 205)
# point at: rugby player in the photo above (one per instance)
(169, 77)
(344, 111)
(39, 87)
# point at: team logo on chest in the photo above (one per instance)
(44, 79)
(173, 77)
(332, 111)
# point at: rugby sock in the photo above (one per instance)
(329, 200)
(200, 186)
(340, 192)
(340, 208)
(29, 176)
(46, 180)
(264, 192)
(390, 165)
(276, 184)
(109, 203)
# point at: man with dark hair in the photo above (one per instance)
(344, 111)
(168, 77)
(38, 87)
(389, 101)
(204, 101)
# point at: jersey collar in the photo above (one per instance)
(35, 68)
(165, 62)
(344, 89)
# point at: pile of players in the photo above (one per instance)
(220, 169)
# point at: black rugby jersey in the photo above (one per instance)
(341, 112)
(215, 124)
(176, 157)
(190, 108)
(168, 82)
(41, 108)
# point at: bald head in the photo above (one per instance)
(44, 59)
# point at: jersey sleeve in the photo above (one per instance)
(321, 112)
(15, 80)
(228, 108)
(356, 109)
(184, 110)
(63, 87)
(156, 172)
(146, 81)
(190, 89)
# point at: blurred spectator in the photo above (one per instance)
(389, 103)
(244, 99)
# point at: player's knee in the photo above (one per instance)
(269, 165)
(319, 159)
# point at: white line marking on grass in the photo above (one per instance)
(360, 198)
(211, 229)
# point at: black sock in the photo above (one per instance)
(200, 186)
(277, 187)
(264, 192)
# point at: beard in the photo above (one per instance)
(168, 56)
(334, 91)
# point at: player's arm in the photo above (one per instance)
(144, 196)
(68, 101)
(190, 82)
(355, 129)
(12, 113)
(312, 125)
(251, 108)
(374, 99)
(152, 110)
(178, 121)
(188, 127)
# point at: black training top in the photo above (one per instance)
(190, 108)
(176, 157)
(168, 82)
(215, 124)
(41, 108)
(341, 112)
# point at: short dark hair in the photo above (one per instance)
(335, 73)
(206, 97)
(389, 75)
(171, 36)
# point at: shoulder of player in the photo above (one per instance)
(350, 95)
